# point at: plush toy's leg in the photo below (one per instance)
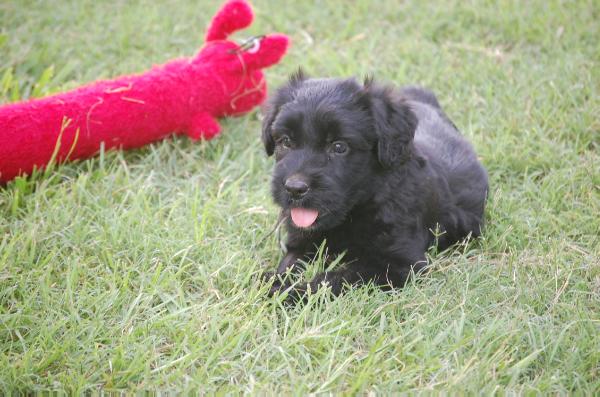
(234, 15)
(203, 126)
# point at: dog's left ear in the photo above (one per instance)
(395, 124)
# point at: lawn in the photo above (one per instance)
(138, 270)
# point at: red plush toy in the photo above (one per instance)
(184, 96)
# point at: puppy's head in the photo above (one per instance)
(332, 139)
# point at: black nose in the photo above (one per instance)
(296, 187)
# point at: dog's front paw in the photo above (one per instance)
(278, 287)
(268, 276)
(277, 284)
(293, 294)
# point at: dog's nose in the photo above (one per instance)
(296, 187)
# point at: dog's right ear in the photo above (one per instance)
(283, 95)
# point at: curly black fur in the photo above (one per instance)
(406, 172)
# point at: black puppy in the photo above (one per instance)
(379, 174)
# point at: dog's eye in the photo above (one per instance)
(339, 147)
(285, 141)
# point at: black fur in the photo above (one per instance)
(407, 173)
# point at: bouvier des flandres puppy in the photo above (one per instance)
(379, 173)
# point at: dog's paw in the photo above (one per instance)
(281, 285)
(278, 285)
(292, 294)
(277, 288)
(268, 276)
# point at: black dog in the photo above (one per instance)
(380, 174)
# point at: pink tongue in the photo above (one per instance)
(304, 217)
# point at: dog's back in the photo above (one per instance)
(439, 139)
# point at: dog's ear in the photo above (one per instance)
(282, 96)
(395, 124)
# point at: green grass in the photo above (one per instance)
(138, 270)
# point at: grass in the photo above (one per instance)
(137, 270)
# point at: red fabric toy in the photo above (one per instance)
(184, 96)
